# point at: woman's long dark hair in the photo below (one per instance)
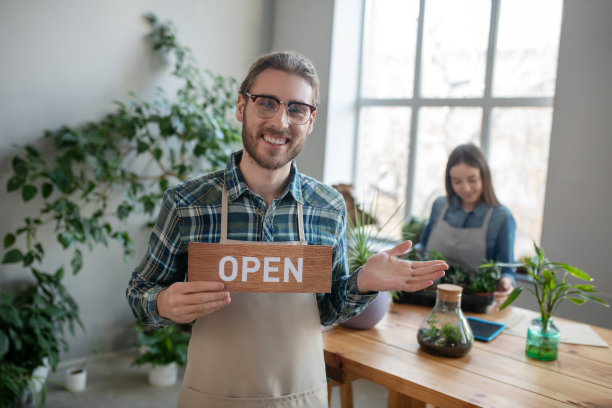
(471, 155)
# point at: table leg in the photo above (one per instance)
(397, 400)
(346, 393)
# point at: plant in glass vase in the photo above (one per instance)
(550, 287)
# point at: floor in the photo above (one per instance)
(112, 382)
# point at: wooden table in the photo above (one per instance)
(493, 374)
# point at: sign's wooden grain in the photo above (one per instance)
(262, 268)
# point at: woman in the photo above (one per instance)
(469, 226)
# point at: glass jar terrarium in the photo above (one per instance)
(445, 331)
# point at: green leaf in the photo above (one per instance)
(28, 192)
(157, 153)
(9, 239)
(77, 261)
(14, 183)
(580, 274)
(12, 256)
(47, 189)
(577, 300)
(594, 299)
(142, 146)
(65, 238)
(4, 344)
(20, 166)
(511, 298)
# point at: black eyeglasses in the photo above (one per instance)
(266, 106)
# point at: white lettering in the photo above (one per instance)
(297, 273)
(222, 263)
(268, 268)
(245, 266)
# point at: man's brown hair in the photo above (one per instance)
(287, 61)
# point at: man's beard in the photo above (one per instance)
(273, 161)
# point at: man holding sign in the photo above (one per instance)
(275, 239)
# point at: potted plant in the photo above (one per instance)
(485, 279)
(33, 326)
(164, 349)
(361, 236)
(550, 288)
(87, 182)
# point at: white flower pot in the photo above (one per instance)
(163, 375)
(39, 375)
(76, 379)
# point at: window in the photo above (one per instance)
(438, 73)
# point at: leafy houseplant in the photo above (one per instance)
(550, 288)
(32, 329)
(90, 179)
(485, 279)
(165, 348)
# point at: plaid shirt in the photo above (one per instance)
(191, 212)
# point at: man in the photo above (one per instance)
(261, 349)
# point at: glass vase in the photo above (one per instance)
(542, 340)
(445, 331)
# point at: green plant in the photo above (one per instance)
(79, 177)
(362, 235)
(90, 179)
(162, 346)
(33, 327)
(412, 228)
(551, 287)
(485, 278)
(448, 335)
(14, 380)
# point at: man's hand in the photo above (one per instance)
(183, 302)
(384, 271)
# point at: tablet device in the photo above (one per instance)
(484, 330)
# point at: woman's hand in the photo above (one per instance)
(504, 287)
(384, 271)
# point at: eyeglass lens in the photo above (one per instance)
(267, 107)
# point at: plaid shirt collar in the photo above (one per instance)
(236, 186)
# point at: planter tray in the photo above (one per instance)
(469, 302)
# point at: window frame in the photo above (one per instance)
(487, 102)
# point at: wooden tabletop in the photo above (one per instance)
(492, 374)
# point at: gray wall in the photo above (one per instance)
(577, 226)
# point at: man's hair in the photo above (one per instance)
(287, 61)
(471, 155)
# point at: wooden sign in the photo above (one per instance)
(262, 268)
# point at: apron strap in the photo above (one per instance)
(224, 196)
(224, 212)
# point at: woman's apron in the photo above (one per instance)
(261, 350)
(465, 248)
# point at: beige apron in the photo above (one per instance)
(465, 248)
(261, 350)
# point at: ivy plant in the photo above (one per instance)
(139, 150)
(89, 179)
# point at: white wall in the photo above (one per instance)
(64, 62)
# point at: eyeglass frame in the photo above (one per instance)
(279, 102)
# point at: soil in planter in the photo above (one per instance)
(454, 350)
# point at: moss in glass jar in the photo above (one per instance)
(445, 331)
